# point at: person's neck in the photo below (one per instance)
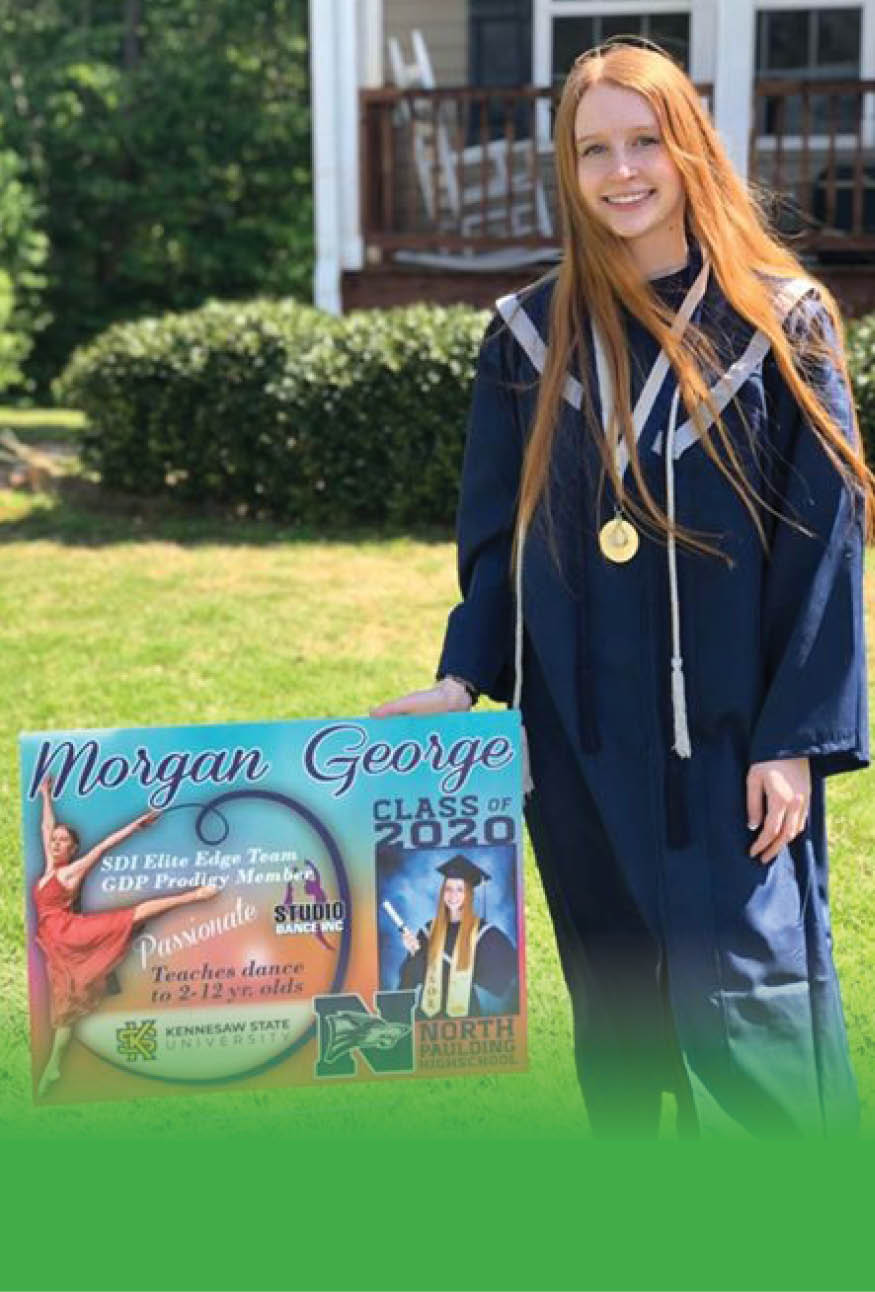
(662, 258)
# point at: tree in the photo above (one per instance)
(169, 141)
(23, 251)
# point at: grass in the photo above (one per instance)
(133, 618)
(111, 620)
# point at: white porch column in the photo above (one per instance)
(348, 80)
(324, 97)
(346, 41)
(370, 15)
(735, 33)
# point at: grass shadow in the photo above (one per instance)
(78, 513)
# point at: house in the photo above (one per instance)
(432, 154)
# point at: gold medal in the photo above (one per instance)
(618, 540)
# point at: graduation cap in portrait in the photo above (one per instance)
(459, 867)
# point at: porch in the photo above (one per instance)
(432, 187)
(458, 198)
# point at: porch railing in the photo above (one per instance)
(470, 169)
(465, 168)
(813, 148)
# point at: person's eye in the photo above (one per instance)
(648, 139)
(592, 148)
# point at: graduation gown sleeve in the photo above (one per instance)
(815, 701)
(495, 965)
(479, 639)
(413, 967)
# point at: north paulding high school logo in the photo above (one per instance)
(383, 1039)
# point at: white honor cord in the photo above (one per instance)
(528, 785)
(682, 746)
(518, 633)
(393, 915)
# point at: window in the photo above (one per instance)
(572, 36)
(809, 45)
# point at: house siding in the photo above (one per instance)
(445, 28)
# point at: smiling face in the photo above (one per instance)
(63, 846)
(627, 178)
(454, 897)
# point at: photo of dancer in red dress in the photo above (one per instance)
(82, 950)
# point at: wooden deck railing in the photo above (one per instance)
(813, 144)
(470, 168)
(465, 168)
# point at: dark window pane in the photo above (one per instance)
(622, 25)
(571, 36)
(783, 44)
(672, 31)
(500, 53)
(838, 39)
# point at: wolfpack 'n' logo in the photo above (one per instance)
(383, 1039)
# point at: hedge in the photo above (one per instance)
(280, 410)
(277, 409)
(861, 361)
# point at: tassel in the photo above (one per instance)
(682, 746)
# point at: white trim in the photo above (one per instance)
(352, 251)
(703, 41)
(526, 333)
(812, 4)
(721, 392)
(370, 27)
(734, 63)
(611, 8)
(511, 310)
(788, 296)
(326, 180)
(334, 75)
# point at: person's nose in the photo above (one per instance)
(623, 165)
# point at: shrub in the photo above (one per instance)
(277, 409)
(861, 361)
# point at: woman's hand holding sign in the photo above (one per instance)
(447, 696)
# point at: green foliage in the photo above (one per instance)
(861, 361)
(282, 411)
(23, 251)
(169, 142)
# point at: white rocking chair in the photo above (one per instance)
(506, 203)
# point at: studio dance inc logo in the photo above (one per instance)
(137, 1040)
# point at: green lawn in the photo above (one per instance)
(123, 619)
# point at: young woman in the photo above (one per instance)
(82, 950)
(457, 952)
(663, 464)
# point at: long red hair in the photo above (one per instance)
(468, 925)
(597, 273)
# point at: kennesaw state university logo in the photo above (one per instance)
(137, 1040)
(383, 1039)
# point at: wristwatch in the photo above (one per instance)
(473, 693)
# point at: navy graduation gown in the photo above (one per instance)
(673, 940)
(495, 967)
